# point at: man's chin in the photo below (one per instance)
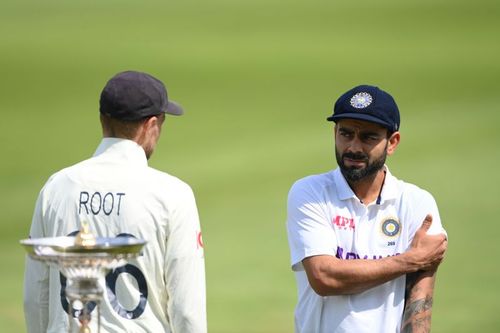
(353, 174)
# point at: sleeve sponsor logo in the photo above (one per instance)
(199, 240)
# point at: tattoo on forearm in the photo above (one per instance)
(418, 325)
(418, 311)
(417, 307)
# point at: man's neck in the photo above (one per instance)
(368, 189)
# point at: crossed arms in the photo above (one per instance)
(330, 276)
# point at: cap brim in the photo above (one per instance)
(174, 109)
(359, 116)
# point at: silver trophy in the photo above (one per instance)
(83, 259)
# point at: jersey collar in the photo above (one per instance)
(344, 191)
(121, 151)
(390, 190)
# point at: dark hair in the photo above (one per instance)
(118, 128)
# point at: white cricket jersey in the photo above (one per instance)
(115, 191)
(326, 218)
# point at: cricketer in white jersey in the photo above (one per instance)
(118, 194)
(352, 240)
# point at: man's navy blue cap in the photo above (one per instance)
(367, 103)
(135, 95)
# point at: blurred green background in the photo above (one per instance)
(257, 79)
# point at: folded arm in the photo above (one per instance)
(329, 275)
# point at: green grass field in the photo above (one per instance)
(257, 79)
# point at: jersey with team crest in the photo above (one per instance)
(326, 218)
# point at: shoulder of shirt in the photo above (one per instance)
(65, 173)
(168, 179)
(62, 174)
(161, 178)
(412, 192)
(316, 182)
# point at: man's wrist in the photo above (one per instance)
(408, 262)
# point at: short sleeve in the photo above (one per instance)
(309, 228)
(423, 204)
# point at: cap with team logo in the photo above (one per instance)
(368, 103)
(135, 95)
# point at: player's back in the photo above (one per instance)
(118, 195)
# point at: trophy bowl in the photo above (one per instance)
(83, 259)
(68, 246)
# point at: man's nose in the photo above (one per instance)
(355, 145)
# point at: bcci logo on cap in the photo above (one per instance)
(361, 100)
(391, 227)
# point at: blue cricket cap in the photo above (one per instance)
(367, 103)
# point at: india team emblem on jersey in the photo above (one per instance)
(391, 227)
(361, 100)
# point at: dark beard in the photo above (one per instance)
(353, 175)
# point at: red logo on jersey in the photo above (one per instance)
(344, 222)
(199, 240)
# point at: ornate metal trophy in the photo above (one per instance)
(83, 259)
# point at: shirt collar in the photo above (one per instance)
(344, 191)
(390, 190)
(121, 150)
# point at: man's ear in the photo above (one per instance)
(393, 143)
(151, 122)
(143, 131)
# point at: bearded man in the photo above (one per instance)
(364, 245)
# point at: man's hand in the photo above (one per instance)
(426, 251)
(329, 276)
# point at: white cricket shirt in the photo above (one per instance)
(115, 191)
(326, 218)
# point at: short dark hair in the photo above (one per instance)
(118, 128)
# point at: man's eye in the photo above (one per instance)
(370, 138)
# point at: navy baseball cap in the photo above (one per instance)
(368, 103)
(135, 95)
